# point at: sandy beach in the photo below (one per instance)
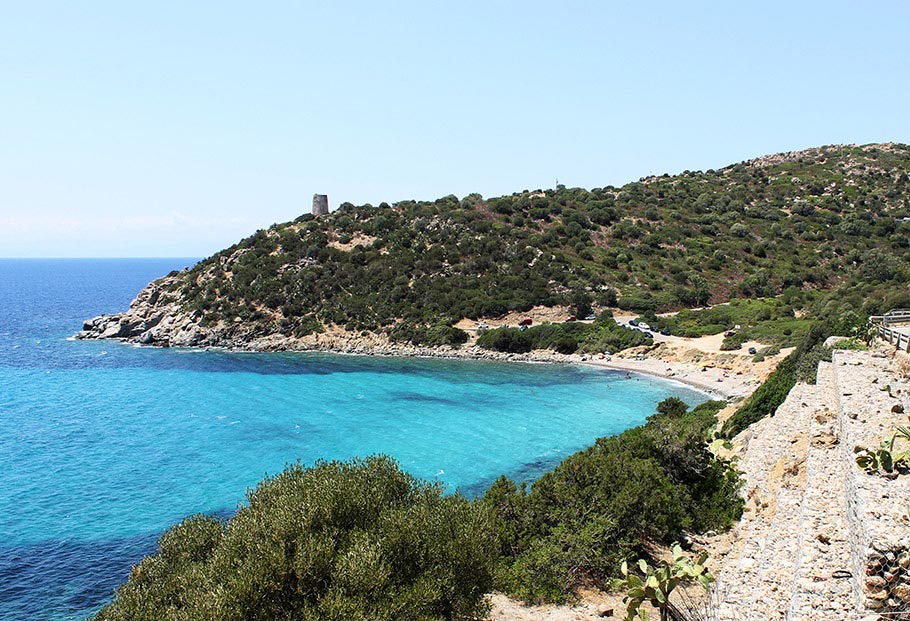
(714, 380)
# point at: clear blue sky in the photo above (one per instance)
(176, 128)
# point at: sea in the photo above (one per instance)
(104, 445)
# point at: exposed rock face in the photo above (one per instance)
(154, 318)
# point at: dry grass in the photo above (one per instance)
(902, 363)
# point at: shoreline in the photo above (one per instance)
(725, 386)
(713, 381)
(542, 357)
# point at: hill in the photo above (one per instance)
(835, 217)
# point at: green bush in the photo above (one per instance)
(600, 506)
(851, 344)
(769, 320)
(439, 334)
(602, 335)
(766, 398)
(734, 341)
(807, 367)
(445, 335)
(606, 335)
(511, 340)
(358, 540)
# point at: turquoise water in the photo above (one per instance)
(104, 445)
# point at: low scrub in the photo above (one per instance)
(768, 320)
(733, 342)
(431, 336)
(851, 344)
(364, 541)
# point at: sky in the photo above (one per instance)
(153, 129)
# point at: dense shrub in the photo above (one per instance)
(439, 334)
(851, 344)
(606, 335)
(357, 540)
(511, 340)
(769, 320)
(603, 334)
(766, 398)
(601, 505)
(734, 341)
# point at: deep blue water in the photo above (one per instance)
(104, 445)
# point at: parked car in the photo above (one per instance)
(633, 322)
(572, 318)
(729, 333)
(527, 321)
(591, 317)
(665, 332)
(752, 350)
(643, 325)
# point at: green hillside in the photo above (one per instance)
(809, 221)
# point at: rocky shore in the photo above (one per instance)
(156, 318)
(714, 380)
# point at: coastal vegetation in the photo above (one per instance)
(343, 541)
(364, 540)
(578, 522)
(603, 334)
(781, 321)
(768, 320)
(790, 226)
(655, 585)
(887, 458)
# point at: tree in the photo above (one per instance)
(672, 406)
(581, 302)
(700, 288)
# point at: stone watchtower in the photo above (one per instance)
(320, 204)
